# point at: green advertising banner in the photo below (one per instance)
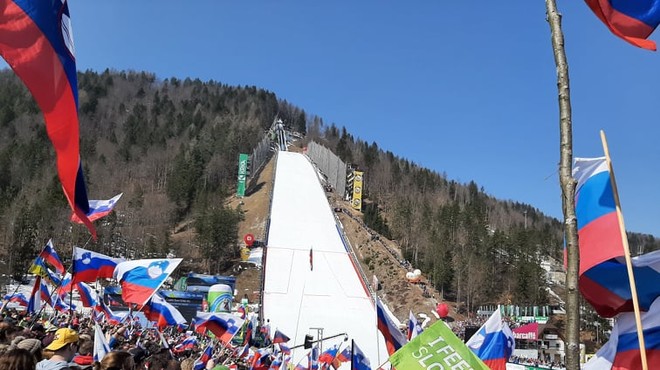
(242, 175)
(436, 348)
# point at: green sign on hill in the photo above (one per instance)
(242, 174)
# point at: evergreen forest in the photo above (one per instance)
(171, 147)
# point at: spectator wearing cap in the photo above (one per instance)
(64, 346)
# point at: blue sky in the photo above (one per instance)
(464, 88)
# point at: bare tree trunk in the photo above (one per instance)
(568, 190)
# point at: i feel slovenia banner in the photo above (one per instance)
(436, 345)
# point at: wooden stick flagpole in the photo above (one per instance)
(626, 252)
(375, 283)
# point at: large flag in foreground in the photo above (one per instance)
(436, 345)
(494, 342)
(89, 266)
(621, 352)
(36, 40)
(140, 279)
(632, 20)
(394, 338)
(603, 275)
(223, 325)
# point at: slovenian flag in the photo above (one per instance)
(44, 293)
(223, 325)
(36, 40)
(65, 285)
(18, 298)
(98, 209)
(394, 339)
(622, 350)
(603, 278)
(162, 313)
(188, 344)
(633, 21)
(414, 329)
(62, 306)
(280, 337)
(328, 356)
(47, 257)
(140, 279)
(87, 295)
(101, 346)
(89, 266)
(200, 364)
(343, 356)
(358, 360)
(34, 304)
(494, 342)
(110, 317)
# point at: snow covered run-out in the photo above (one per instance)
(326, 292)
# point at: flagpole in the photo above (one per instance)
(626, 253)
(375, 282)
(73, 275)
(352, 353)
(55, 289)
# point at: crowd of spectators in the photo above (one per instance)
(61, 342)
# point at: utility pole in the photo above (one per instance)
(567, 189)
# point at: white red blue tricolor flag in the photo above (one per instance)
(140, 279)
(162, 313)
(101, 347)
(394, 338)
(223, 325)
(414, 328)
(494, 342)
(36, 40)
(98, 209)
(621, 352)
(200, 363)
(89, 266)
(603, 277)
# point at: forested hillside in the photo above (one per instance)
(171, 146)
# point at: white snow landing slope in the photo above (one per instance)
(331, 296)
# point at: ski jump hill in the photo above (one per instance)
(306, 290)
